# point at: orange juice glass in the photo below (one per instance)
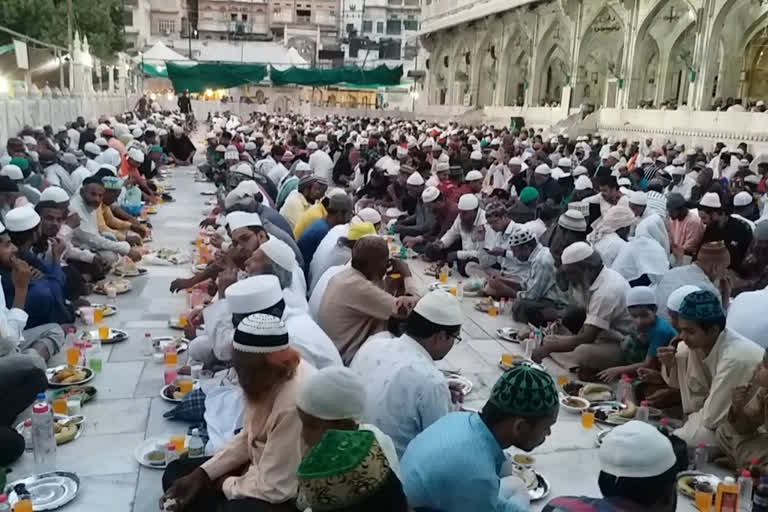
(443, 277)
(183, 320)
(98, 315)
(453, 290)
(60, 406)
(103, 332)
(178, 442)
(23, 506)
(73, 356)
(587, 419)
(171, 358)
(506, 358)
(562, 380)
(185, 385)
(703, 499)
(493, 311)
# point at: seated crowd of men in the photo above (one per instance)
(648, 262)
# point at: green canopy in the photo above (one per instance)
(155, 70)
(352, 75)
(208, 75)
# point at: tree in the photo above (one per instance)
(46, 20)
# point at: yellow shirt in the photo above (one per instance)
(295, 205)
(314, 212)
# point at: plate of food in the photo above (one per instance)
(688, 480)
(595, 392)
(107, 309)
(460, 381)
(611, 412)
(437, 285)
(150, 453)
(538, 486)
(182, 344)
(128, 270)
(199, 267)
(65, 428)
(172, 393)
(121, 286)
(48, 491)
(115, 336)
(509, 334)
(166, 257)
(84, 393)
(60, 376)
(485, 304)
(574, 404)
(507, 361)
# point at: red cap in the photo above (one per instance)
(40, 408)
(28, 422)
(745, 473)
(702, 445)
(644, 403)
(664, 421)
(754, 461)
(147, 335)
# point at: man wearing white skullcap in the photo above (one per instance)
(334, 399)
(595, 343)
(275, 257)
(638, 471)
(320, 162)
(549, 189)
(676, 299)
(406, 392)
(745, 209)
(719, 226)
(465, 238)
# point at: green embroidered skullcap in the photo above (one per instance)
(343, 469)
(156, 148)
(529, 195)
(525, 390)
(21, 162)
(701, 306)
(112, 182)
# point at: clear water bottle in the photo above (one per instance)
(460, 290)
(196, 448)
(745, 490)
(148, 347)
(700, 457)
(28, 435)
(624, 391)
(642, 413)
(43, 441)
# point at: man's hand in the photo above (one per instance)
(739, 398)
(73, 220)
(135, 254)
(539, 353)
(457, 392)
(21, 274)
(650, 376)
(101, 262)
(180, 284)
(208, 221)
(138, 228)
(400, 267)
(667, 356)
(185, 489)
(498, 251)
(57, 249)
(411, 241)
(216, 240)
(227, 277)
(133, 238)
(610, 374)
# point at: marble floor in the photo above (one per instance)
(128, 409)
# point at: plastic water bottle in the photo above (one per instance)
(170, 453)
(4, 505)
(642, 413)
(460, 290)
(503, 306)
(43, 441)
(700, 457)
(624, 391)
(28, 435)
(745, 490)
(148, 348)
(196, 447)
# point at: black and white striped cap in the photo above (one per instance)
(261, 334)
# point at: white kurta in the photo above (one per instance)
(406, 392)
(322, 284)
(321, 164)
(328, 254)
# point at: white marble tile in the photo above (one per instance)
(116, 416)
(105, 492)
(151, 380)
(149, 489)
(157, 425)
(118, 380)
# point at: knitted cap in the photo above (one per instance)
(525, 390)
(343, 469)
(260, 334)
(702, 305)
(529, 195)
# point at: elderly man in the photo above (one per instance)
(310, 189)
(549, 189)
(87, 234)
(718, 225)
(54, 172)
(520, 413)
(571, 227)
(354, 305)
(319, 161)
(595, 344)
(406, 392)
(712, 361)
(275, 257)
(466, 236)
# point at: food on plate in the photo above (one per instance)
(156, 458)
(630, 410)
(573, 388)
(173, 392)
(64, 432)
(84, 393)
(596, 392)
(523, 459)
(68, 375)
(509, 360)
(120, 285)
(573, 402)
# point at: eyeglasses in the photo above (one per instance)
(456, 339)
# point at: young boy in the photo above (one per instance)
(652, 332)
(743, 436)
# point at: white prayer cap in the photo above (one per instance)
(136, 155)
(392, 168)
(2, 228)
(279, 252)
(690, 152)
(137, 132)
(312, 146)
(678, 161)
(661, 158)
(753, 179)
(558, 173)
(572, 220)
(711, 200)
(252, 294)
(401, 152)
(221, 148)
(333, 393)
(111, 168)
(29, 140)
(55, 194)
(210, 135)
(415, 179)
(476, 155)
(515, 161)
(676, 298)
(322, 138)
(13, 172)
(580, 170)
(677, 171)
(640, 296)
(91, 148)
(583, 183)
(442, 167)
(303, 166)
(22, 219)
(576, 252)
(237, 220)
(468, 202)
(244, 169)
(638, 197)
(369, 215)
(624, 182)
(250, 146)
(564, 162)
(440, 307)
(543, 170)
(636, 450)
(100, 141)
(473, 175)
(444, 158)
(742, 199)
(615, 155)
(646, 160)
(231, 154)
(430, 194)
(428, 143)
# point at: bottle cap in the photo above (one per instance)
(745, 473)
(147, 335)
(644, 403)
(195, 432)
(41, 396)
(702, 445)
(664, 421)
(28, 422)
(625, 377)
(3, 498)
(171, 447)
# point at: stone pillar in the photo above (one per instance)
(632, 8)
(532, 78)
(111, 79)
(477, 54)
(707, 41)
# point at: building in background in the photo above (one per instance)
(137, 22)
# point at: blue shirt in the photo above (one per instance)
(310, 239)
(659, 335)
(454, 465)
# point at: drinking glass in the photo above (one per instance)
(588, 419)
(185, 385)
(562, 380)
(493, 311)
(103, 332)
(98, 315)
(73, 356)
(60, 406)
(178, 441)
